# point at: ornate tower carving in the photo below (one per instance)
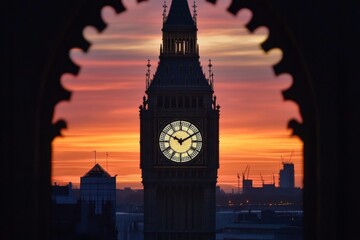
(179, 136)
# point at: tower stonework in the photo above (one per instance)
(179, 136)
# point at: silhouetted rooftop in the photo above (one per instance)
(180, 72)
(179, 14)
(97, 171)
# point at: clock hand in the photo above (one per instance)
(182, 140)
(174, 137)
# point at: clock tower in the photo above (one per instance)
(179, 136)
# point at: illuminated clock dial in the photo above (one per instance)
(180, 141)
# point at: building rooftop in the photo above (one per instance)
(179, 14)
(97, 171)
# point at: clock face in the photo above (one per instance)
(180, 141)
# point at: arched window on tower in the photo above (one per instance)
(193, 102)
(187, 101)
(183, 46)
(167, 102)
(177, 46)
(181, 102)
(159, 102)
(173, 45)
(173, 102)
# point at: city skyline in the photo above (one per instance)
(103, 116)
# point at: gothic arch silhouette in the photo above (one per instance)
(37, 41)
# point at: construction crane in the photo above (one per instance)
(246, 172)
(292, 152)
(238, 177)
(262, 179)
(243, 173)
(274, 179)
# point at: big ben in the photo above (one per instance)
(179, 135)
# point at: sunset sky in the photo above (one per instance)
(103, 113)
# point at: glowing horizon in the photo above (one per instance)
(103, 113)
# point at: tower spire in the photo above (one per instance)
(179, 30)
(179, 15)
(194, 13)
(164, 12)
(211, 75)
(148, 79)
(179, 51)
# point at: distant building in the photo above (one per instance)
(63, 194)
(129, 200)
(130, 226)
(65, 212)
(98, 203)
(232, 224)
(99, 188)
(247, 183)
(265, 224)
(287, 175)
(268, 194)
